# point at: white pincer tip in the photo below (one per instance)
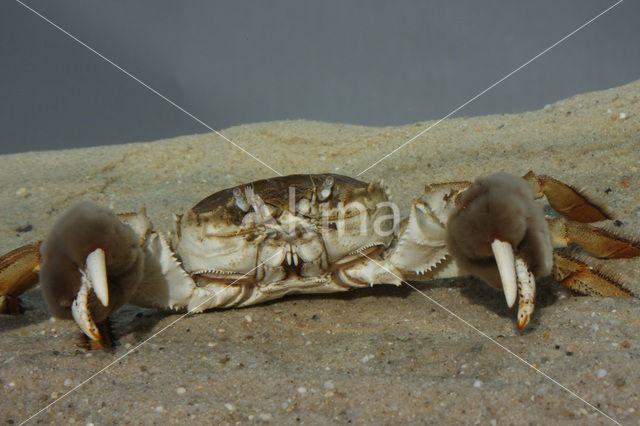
(81, 314)
(503, 252)
(96, 268)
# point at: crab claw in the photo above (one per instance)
(81, 312)
(91, 265)
(93, 278)
(516, 278)
(498, 233)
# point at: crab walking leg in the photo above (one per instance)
(565, 199)
(583, 279)
(527, 290)
(96, 274)
(599, 242)
(503, 253)
(18, 273)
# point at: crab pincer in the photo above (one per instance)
(91, 265)
(499, 233)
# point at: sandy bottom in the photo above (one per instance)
(382, 355)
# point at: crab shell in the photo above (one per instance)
(283, 230)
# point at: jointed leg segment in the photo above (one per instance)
(18, 273)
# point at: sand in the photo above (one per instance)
(382, 355)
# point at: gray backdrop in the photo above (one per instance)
(374, 63)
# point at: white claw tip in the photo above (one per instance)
(503, 252)
(523, 320)
(81, 314)
(96, 268)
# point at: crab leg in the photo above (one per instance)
(583, 279)
(18, 273)
(572, 270)
(597, 241)
(565, 199)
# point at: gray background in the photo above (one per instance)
(373, 63)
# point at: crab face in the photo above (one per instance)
(273, 229)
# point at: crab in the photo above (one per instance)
(316, 233)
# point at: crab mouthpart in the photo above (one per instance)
(80, 311)
(96, 274)
(503, 253)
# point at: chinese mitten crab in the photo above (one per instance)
(314, 234)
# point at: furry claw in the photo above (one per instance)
(499, 233)
(92, 264)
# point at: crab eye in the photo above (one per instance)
(303, 206)
(325, 192)
(241, 202)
